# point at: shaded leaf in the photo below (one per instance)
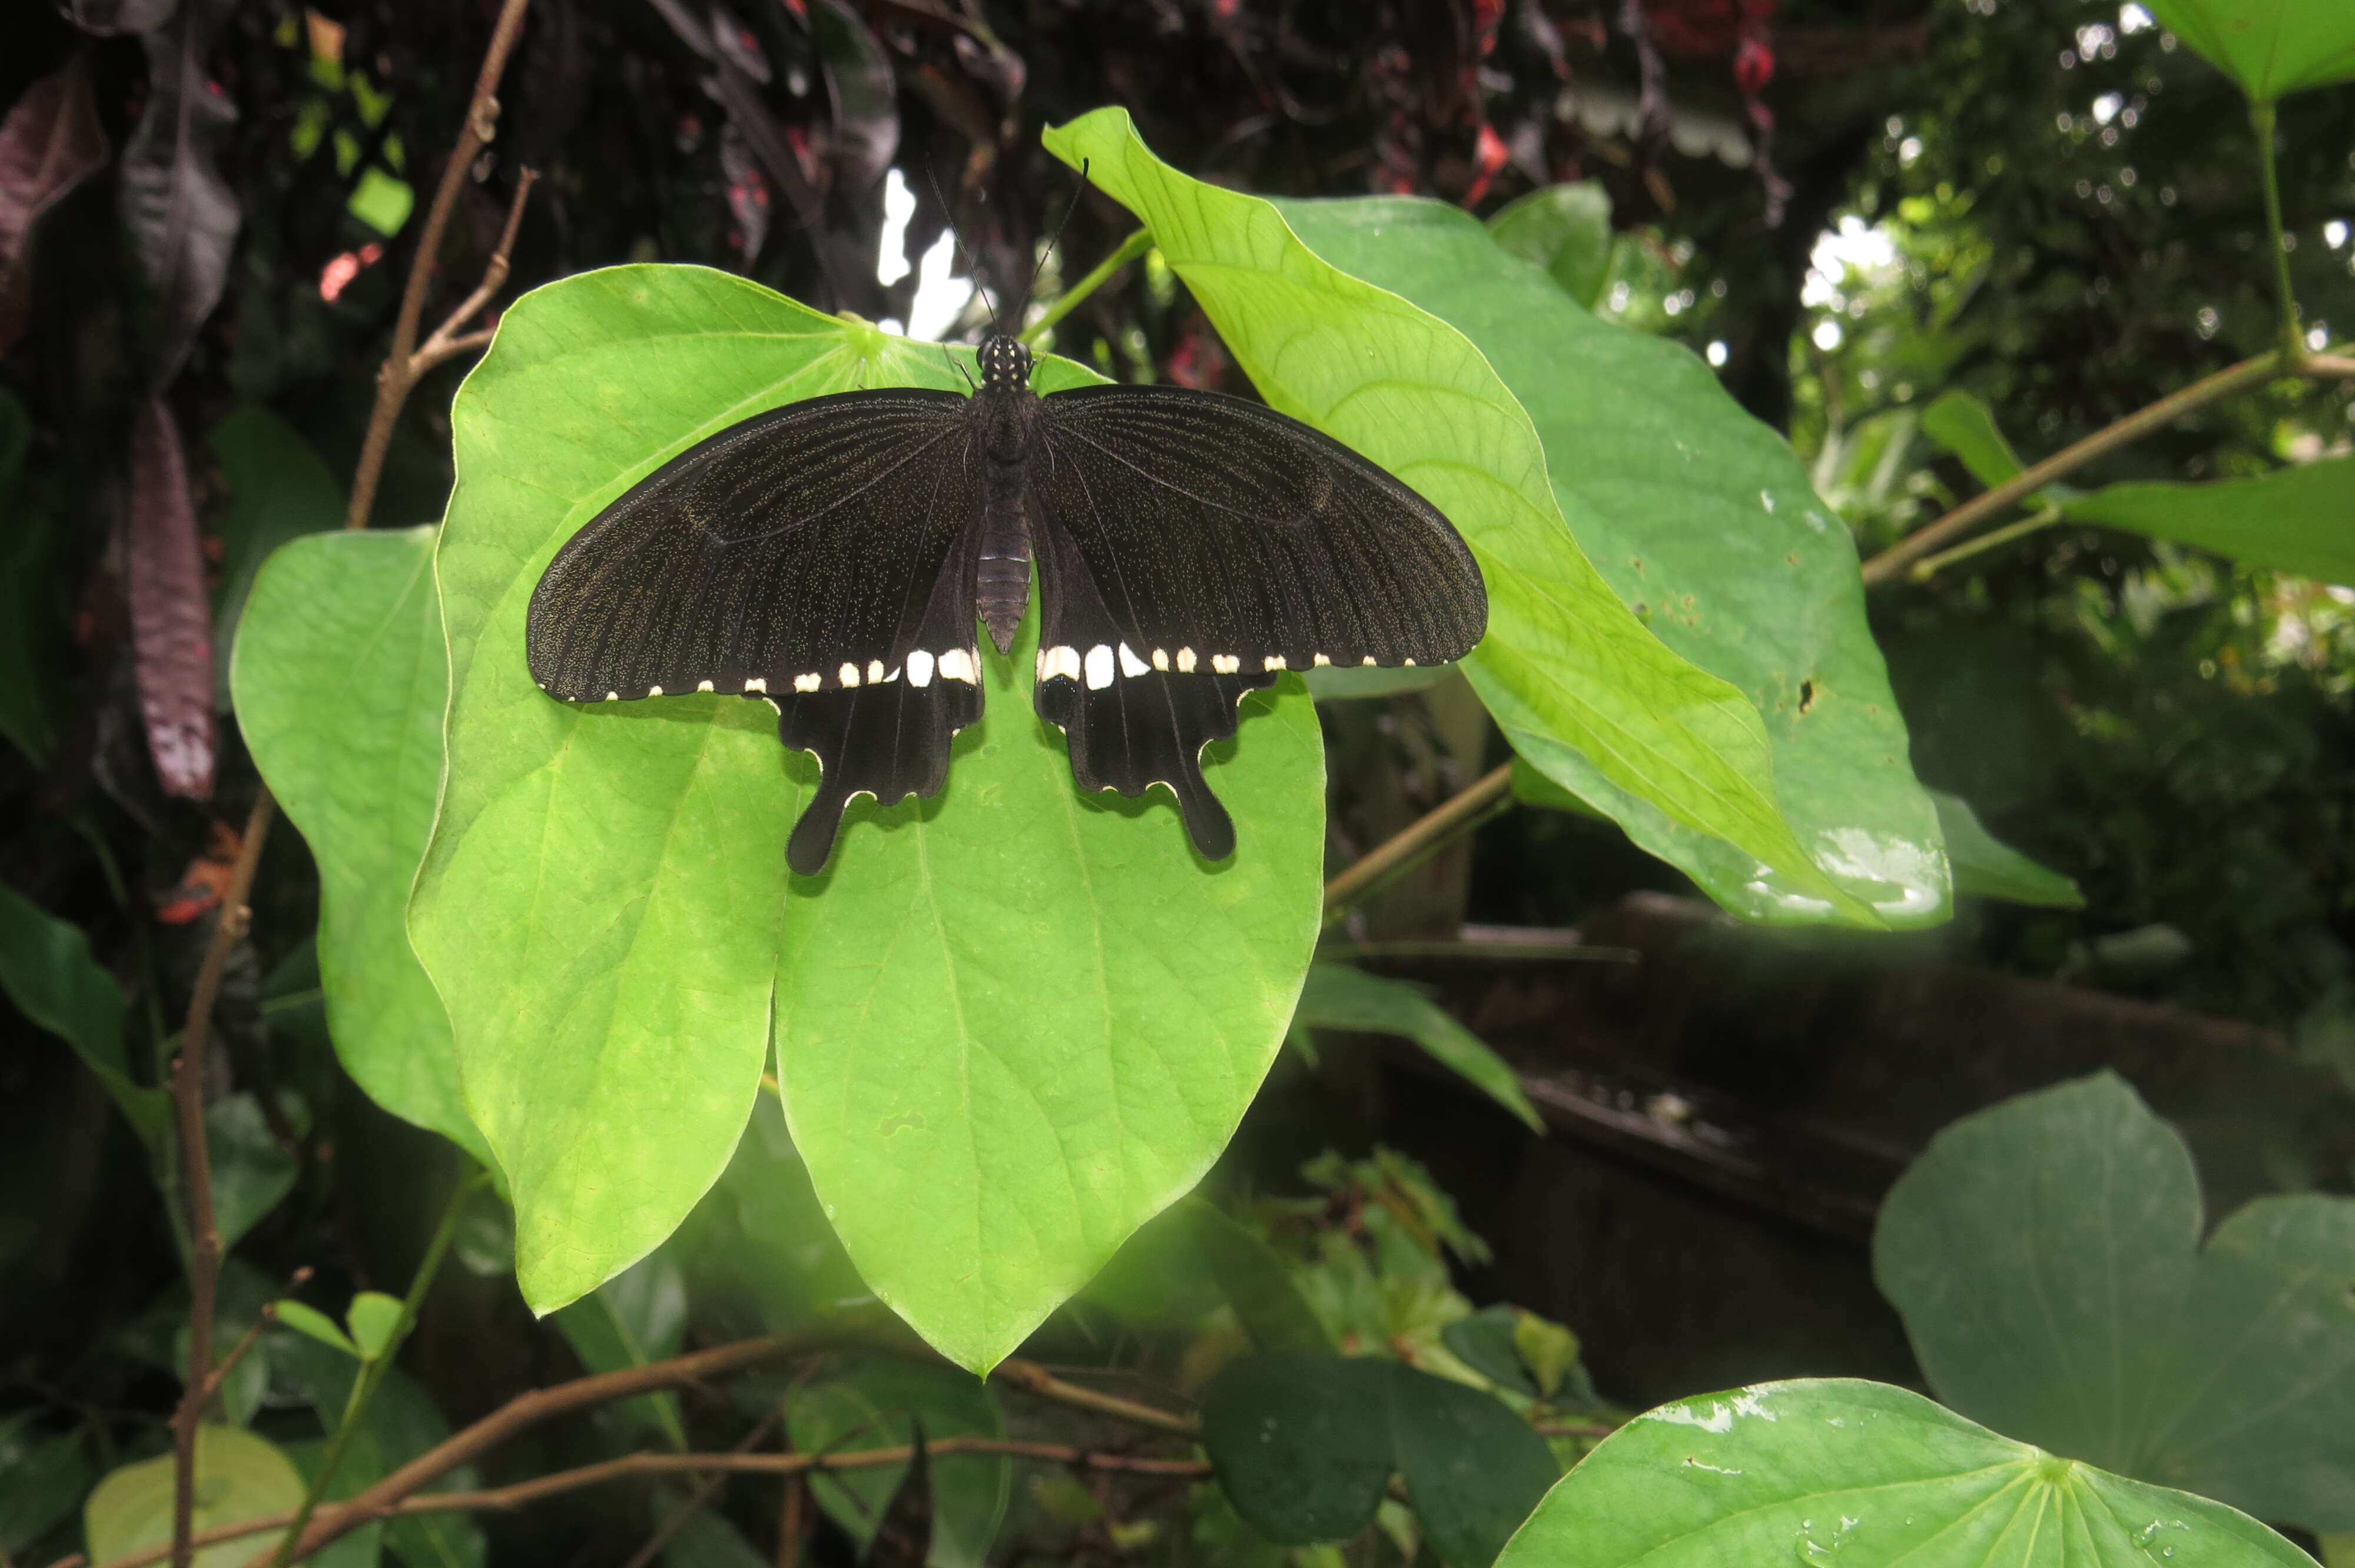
(2268, 47)
(239, 1476)
(251, 1174)
(23, 545)
(2045, 1255)
(2293, 519)
(881, 1402)
(396, 1425)
(48, 971)
(1257, 1283)
(1579, 686)
(1337, 996)
(109, 17)
(1473, 1470)
(865, 96)
(309, 1320)
(42, 1476)
(637, 1317)
(1333, 682)
(181, 215)
(1987, 867)
(170, 624)
(1301, 1444)
(50, 142)
(1860, 1475)
(1964, 424)
(1564, 229)
(340, 681)
(359, 1548)
(1485, 1341)
(903, 1536)
(1708, 527)
(279, 489)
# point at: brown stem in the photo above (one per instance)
(789, 1520)
(219, 1374)
(442, 345)
(1032, 1378)
(196, 1176)
(1410, 841)
(393, 384)
(701, 1496)
(1892, 562)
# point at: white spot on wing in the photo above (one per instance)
(848, 674)
(1368, 661)
(654, 690)
(956, 664)
(703, 685)
(756, 685)
(1161, 658)
(920, 668)
(809, 683)
(1130, 664)
(1063, 660)
(1319, 659)
(874, 672)
(1185, 661)
(613, 696)
(1225, 663)
(1273, 662)
(1099, 667)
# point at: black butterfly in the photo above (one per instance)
(832, 556)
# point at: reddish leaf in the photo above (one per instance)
(181, 214)
(748, 191)
(170, 621)
(865, 96)
(50, 142)
(205, 884)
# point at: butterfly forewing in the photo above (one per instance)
(819, 556)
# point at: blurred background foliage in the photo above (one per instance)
(1848, 207)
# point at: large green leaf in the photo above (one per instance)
(1011, 1023)
(339, 681)
(48, 971)
(1578, 684)
(2046, 1256)
(1836, 1474)
(2293, 519)
(1566, 231)
(874, 1402)
(239, 1476)
(1339, 997)
(2268, 47)
(1706, 523)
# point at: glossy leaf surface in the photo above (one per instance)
(1859, 1474)
(2046, 1256)
(1578, 684)
(1706, 524)
(1012, 1023)
(339, 681)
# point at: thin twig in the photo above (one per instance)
(1930, 567)
(1934, 536)
(445, 343)
(196, 1158)
(246, 1341)
(2292, 342)
(789, 1519)
(700, 1497)
(1405, 844)
(1032, 1378)
(500, 1498)
(395, 379)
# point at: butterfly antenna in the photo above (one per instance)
(1053, 241)
(957, 245)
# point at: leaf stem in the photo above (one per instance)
(2261, 121)
(1129, 250)
(1425, 835)
(1924, 570)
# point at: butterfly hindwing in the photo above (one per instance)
(818, 555)
(1189, 547)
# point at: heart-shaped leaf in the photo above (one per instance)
(2046, 1256)
(2268, 47)
(1011, 1023)
(239, 1476)
(1580, 688)
(1837, 1474)
(1705, 523)
(340, 682)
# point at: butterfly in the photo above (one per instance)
(834, 556)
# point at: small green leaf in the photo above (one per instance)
(2293, 519)
(1484, 1342)
(48, 970)
(1339, 997)
(310, 1321)
(2268, 47)
(1964, 424)
(42, 1476)
(340, 684)
(1259, 1287)
(2045, 1255)
(382, 201)
(239, 1476)
(1301, 1443)
(1566, 231)
(1548, 1348)
(396, 1425)
(1837, 1474)
(873, 1401)
(373, 1317)
(1987, 867)
(1474, 1469)
(1578, 684)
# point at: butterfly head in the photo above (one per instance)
(1005, 364)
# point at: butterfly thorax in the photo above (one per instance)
(1005, 412)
